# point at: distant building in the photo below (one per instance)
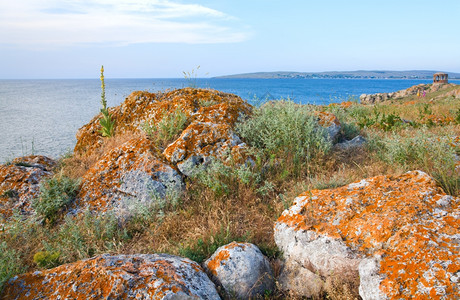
(440, 78)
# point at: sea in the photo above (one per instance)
(43, 116)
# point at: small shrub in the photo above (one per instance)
(457, 116)
(46, 259)
(55, 195)
(202, 249)
(283, 128)
(215, 177)
(424, 110)
(432, 153)
(384, 121)
(82, 238)
(167, 129)
(10, 263)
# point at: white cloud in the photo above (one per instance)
(122, 22)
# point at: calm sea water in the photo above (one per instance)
(42, 116)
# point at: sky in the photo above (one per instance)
(164, 38)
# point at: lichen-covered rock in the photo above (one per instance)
(330, 122)
(140, 276)
(242, 270)
(202, 105)
(200, 143)
(128, 176)
(451, 90)
(400, 233)
(20, 183)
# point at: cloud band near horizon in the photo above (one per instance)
(51, 23)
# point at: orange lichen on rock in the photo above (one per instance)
(144, 107)
(127, 173)
(142, 276)
(407, 221)
(20, 182)
(217, 261)
(437, 120)
(242, 270)
(327, 119)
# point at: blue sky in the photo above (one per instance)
(162, 38)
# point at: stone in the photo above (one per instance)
(330, 122)
(138, 276)
(355, 142)
(127, 177)
(199, 143)
(399, 233)
(242, 270)
(294, 276)
(20, 183)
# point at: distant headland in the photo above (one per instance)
(360, 74)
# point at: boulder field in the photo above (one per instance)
(396, 236)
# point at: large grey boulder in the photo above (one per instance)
(128, 177)
(138, 276)
(396, 237)
(242, 270)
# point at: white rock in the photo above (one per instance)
(369, 273)
(241, 269)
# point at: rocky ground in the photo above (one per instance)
(355, 208)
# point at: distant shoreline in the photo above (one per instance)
(410, 75)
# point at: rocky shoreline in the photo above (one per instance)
(387, 236)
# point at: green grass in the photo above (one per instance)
(165, 131)
(55, 195)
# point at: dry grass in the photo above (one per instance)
(77, 165)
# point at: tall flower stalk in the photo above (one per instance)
(106, 121)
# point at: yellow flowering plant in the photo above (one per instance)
(108, 125)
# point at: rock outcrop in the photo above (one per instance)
(140, 108)
(200, 143)
(401, 234)
(20, 183)
(242, 270)
(428, 88)
(141, 276)
(127, 177)
(140, 171)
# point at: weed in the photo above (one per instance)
(55, 195)
(457, 116)
(46, 259)
(191, 77)
(203, 248)
(10, 263)
(106, 121)
(88, 236)
(284, 129)
(424, 110)
(167, 129)
(432, 153)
